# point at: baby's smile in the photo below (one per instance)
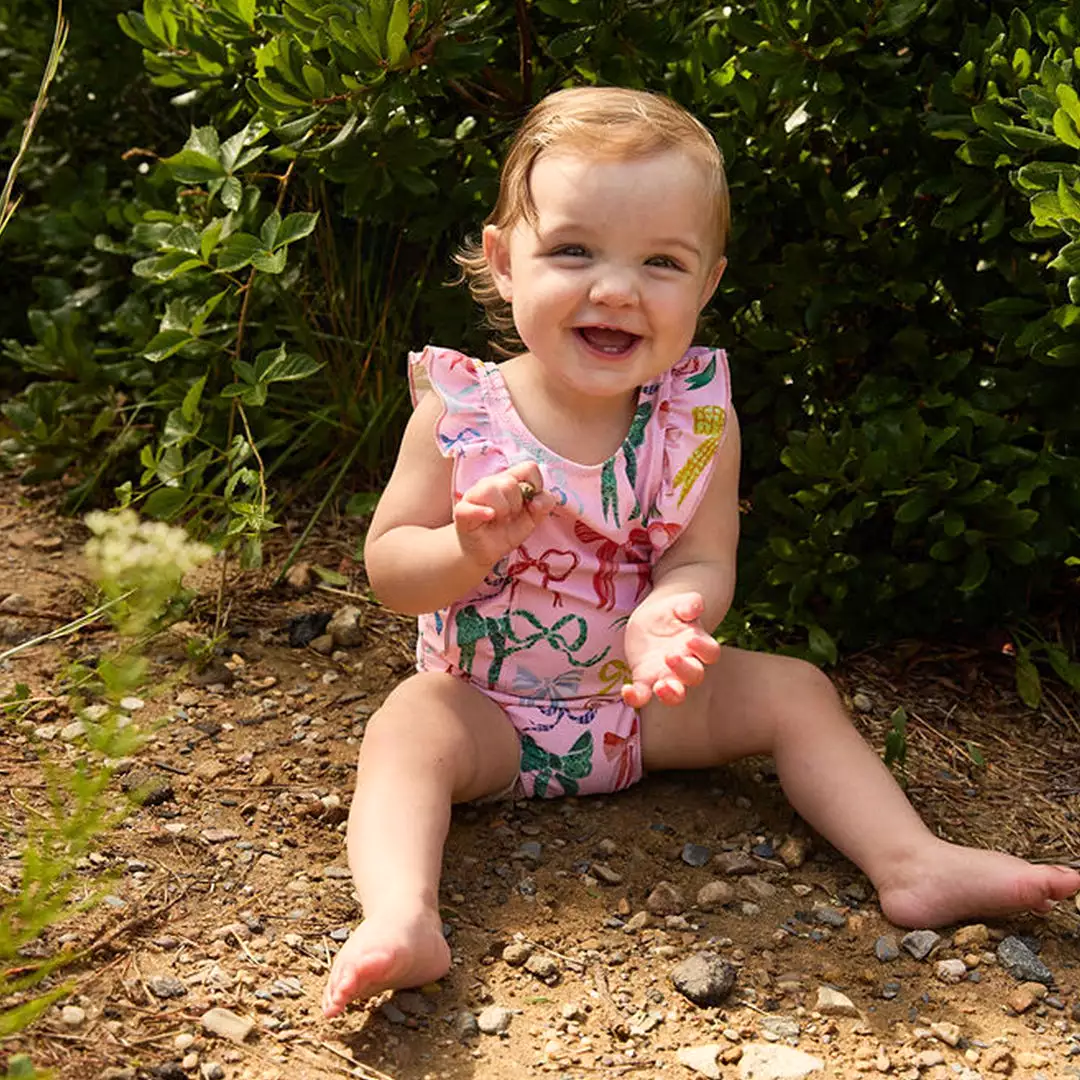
(607, 339)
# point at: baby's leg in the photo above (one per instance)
(435, 741)
(757, 703)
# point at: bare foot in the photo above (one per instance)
(947, 883)
(384, 954)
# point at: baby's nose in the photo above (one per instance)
(614, 287)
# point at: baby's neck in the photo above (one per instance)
(587, 431)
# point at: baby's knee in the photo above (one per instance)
(806, 687)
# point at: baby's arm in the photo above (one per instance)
(668, 637)
(422, 552)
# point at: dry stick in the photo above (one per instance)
(112, 935)
(67, 630)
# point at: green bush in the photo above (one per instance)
(900, 324)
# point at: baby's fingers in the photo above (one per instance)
(704, 647)
(687, 669)
(469, 516)
(636, 694)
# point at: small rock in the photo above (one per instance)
(392, 1014)
(862, 702)
(227, 1025)
(695, 854)
(494, 1020)
(793, 851)
(516, 953)
(771, 1061)
(323, 645)
(713, 895)
(997, 1059)
(665, 899)
(920, 943)
(927, 1059)
(299, 578)
(886, 948)
(1021, 963)
(971, 937)
(637, 922)
(755, 888)
(705, 979)
(543, 967)
(780, 1027)
(828, 915)
(603, 872)
(346, 626)
(15, 604)
(701, 1060)
(1025, 995)
(950, 971)
(211, 1070)
(72, 1016)
(947, 1032)
(165, 986)
(735, 863)
(831, 1002)
(464, 1026)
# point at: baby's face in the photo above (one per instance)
(607, 284)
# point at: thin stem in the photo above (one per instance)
(67, 629)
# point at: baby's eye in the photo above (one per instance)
(572, 251)
(665, 262)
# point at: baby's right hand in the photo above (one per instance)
(497, 514)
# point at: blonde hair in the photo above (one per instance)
(602, 121)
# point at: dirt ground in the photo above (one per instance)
(229, 889)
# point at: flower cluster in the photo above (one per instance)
(142, 560)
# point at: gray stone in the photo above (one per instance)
(1021, 963)
(831, 1002)
(464, 1026)
(165, 986)
(346, 626)
(829, 916)
(531, 851)
(211, 1070)
(15, 604)
(603, 872)
(516, 953)
(770, 1061)
(494, 1020)
(695, 854)
(886, 948)
(920, 943)
(783, 1027)
(391, 1013)
(705, 979)
(72, 1016)
(701, 1060)
(736, 862)
(543, 967)
(227, 1025)
(713, 895)
(665, 899)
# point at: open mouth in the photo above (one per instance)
(607, 340)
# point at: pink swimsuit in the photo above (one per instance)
(543, 635)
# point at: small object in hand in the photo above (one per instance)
(528, 492)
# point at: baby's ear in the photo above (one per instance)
(715, 274)
(497, 254)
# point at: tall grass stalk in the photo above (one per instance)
(9, 203)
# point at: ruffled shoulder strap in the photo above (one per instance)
(457, 380)
(695, 405)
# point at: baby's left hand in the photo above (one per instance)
(667, 649)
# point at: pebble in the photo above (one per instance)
(211, 1070)
(701, 1060)
(494, 1020)
(829, 916)
(15, 604)
(771, 1061)
(920, 943)
(736, 863)
(227, 1025)
(695, 854)
(947, 1032)
(543, 967)
(886, 948)
(793, 851)
(516, 953)
(779, 1027)
(830, 1002)
(665, 899)
(713, 895)
(705, 979)
(862, 702)
(971, 937)
(165, 986)
(1021, 963)
(464, 1026)
(951, 971)
(603, 872)
(72, 1016)
(346, 626)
